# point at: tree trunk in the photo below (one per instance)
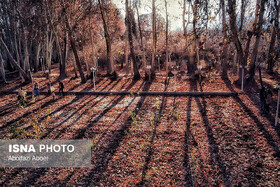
(15, 28)
(64, 56)
(54, 30)
(225, 42)
(136, 75)
(237, 43)
(110, 62)
(143, 49)
(72, 43)
(243, 7)
(154, 36)
(166, 40)
(271, 50)
(26, 53)
(77, 60)
(189, 50)
(126, 53)
(87, 64)
(2, 69)
(37, 60)
(92, 47)
(195, 47)
(258, 35)
(185, 26)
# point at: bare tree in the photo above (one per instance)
(110, 62)
(154, 30)
(257, 33)
(234, 30)
(225, 42)
(129, 19)
(73, 45)
(143, 49)
(62, 63)
(271, 51)
(166, 39)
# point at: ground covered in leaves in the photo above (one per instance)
(180, 141)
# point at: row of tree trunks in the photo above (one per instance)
(14, 63)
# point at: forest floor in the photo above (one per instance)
(150, 140)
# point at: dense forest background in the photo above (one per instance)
(85, 33)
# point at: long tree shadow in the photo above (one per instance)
(214, 150)
(64, 106)
(97, 84)
(80, 115)
(8, 108)
(151, 142)
(107, 152)
(39, 172)
(5, 109)
(96, 119)
(260, 126)
(32, 180)
(103, 134)
(188, 169)
(72, 114)
(21, 85)
(117, 117)
(251, 93)
(32, 111)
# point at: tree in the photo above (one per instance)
(166, 39)
(271, 51)
(241, 55)
(257, 33)
(110, 63)
(62, 61)
(225, 42)
(186, 36)
(233, 27)
(129, 19)
(194, 46)
(154, 30)
(143, 49)
(72, 43)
